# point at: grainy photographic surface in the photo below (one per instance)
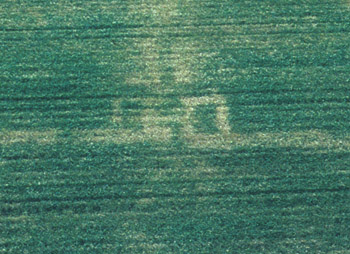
(174, 126)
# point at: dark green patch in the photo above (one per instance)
(205, 119)
(130, 114)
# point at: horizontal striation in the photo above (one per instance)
(174, 126)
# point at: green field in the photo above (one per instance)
(174, 126)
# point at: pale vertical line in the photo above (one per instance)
(222, 120)
(116, 112)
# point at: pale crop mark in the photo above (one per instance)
(339, 252)
(154, 247)
(301, 139)
(139, 236)
(347, 5)
(154, 125)
(117, 112)
(159, 12)
(151, 59)
(226, 139)
(184, 63)
(27, 15)
(156, 128)
(125, 136)
(146, 201)
(15, 219)
(41, 137)
(222, 120)
(151, 75)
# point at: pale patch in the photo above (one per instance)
(164, 10)
(306, 139)
(150, 58)
(28, 15)
(213, 141)
(161, 11)
(42, 137)
(14, 219)
(347, 5)
(221, 140)
(206, 188)
(150, 118)
(40, 18)
(186, 62)
(183, 64)
(204, 100)
(125, 135)
(40, 73)
(310, 18)
(155, 133)
(182, 73)
(137, 236)
(145, 201)
(116, 116)
(154, 247)
(222, 120)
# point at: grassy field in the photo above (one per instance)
(169, 126)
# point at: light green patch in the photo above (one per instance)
(179, 63)
(15, 219)
(156, 10)
(347, 3)
(38, 74)
(153, 247)
(41, 137)
(151, 76)
(149, 48)
(146, 201)
(305, 139)
(184, 63)
(126, 136)
(139, 236)
(21, 15)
